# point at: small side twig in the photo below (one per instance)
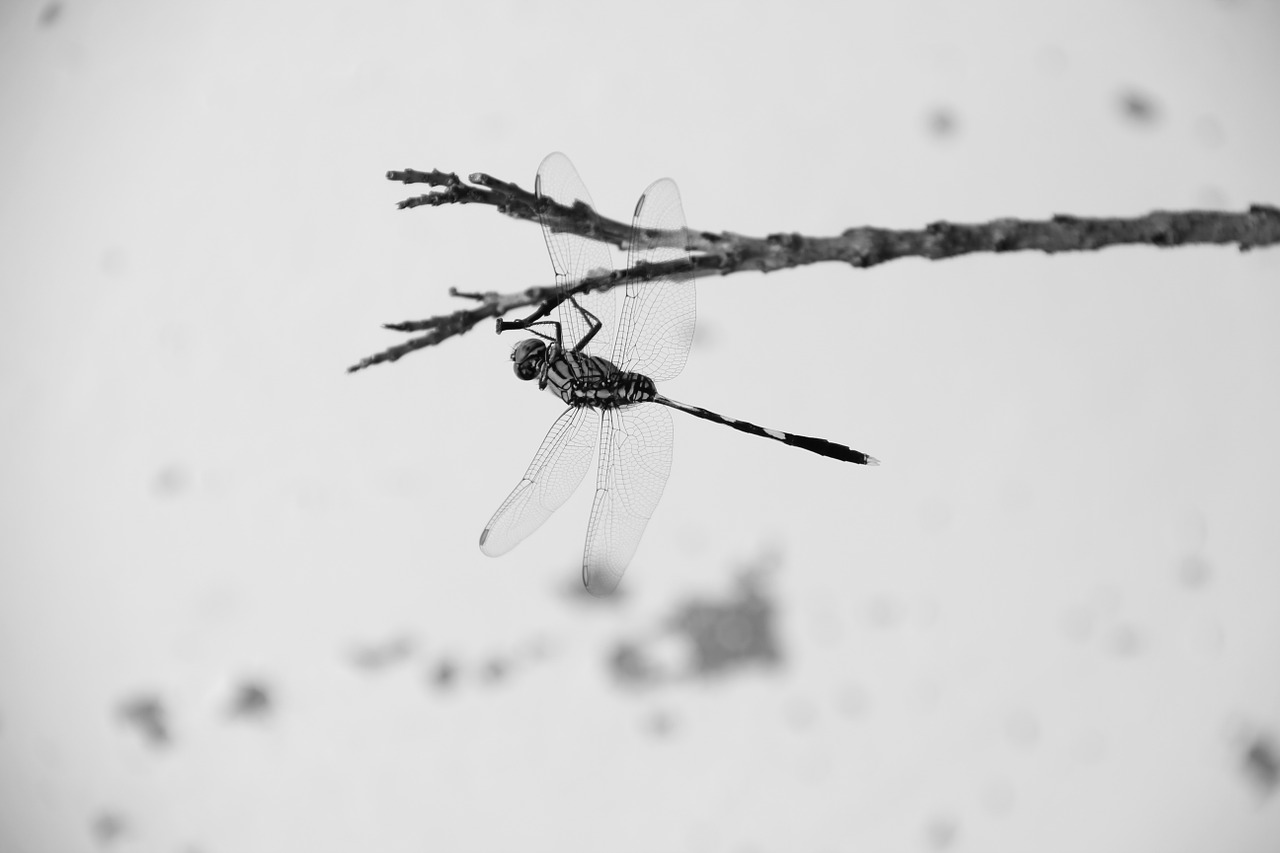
(863, 247)
(512, 200)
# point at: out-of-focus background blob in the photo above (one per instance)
(241, 603)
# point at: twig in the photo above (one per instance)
(726, 252)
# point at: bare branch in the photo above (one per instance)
(726, 252)
(513, 201)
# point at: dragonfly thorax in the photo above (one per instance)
(583, 380)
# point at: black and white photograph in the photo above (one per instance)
(669, 427)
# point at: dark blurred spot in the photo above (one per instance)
(495, 670)
(1022, 729)
(730, 633)
(1261, 764)
(375, 656)
(942, 122)
(444, 675)
(170, 481)
(1139, 107)
(1125, 641)
(107, 827)
(50, 13)
(660, 724)
(706, 637)
(147, 714)
(1194, 571)
(629, 664)
(252, 699)
(940, 832)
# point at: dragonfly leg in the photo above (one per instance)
(559, 335)
(543, 310)
(535, 319)
(592, 320)
(527, 324)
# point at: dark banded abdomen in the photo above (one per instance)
(820, 446)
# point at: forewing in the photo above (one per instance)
(575, 257)
(557, 469)
(658, 316)
(635, 460)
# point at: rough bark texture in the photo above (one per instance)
(725, 252)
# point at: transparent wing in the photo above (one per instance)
(557, 469)
(574, 258)
(635, 460)
(658, 316)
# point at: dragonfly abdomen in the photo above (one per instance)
(820, 446)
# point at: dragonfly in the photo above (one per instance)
(604, 362)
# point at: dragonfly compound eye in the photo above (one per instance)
(528, 356)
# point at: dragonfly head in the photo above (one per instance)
(528, 356)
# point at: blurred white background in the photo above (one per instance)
(241, 603)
